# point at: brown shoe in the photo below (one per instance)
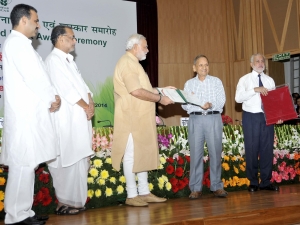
(195, 195)
(136, 201)
(221, 193)
(152, 198)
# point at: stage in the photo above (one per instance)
(239, 208)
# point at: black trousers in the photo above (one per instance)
(259, 140)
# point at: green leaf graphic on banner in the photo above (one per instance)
(103, 95)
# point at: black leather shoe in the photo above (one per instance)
(30, 221)
(41, 217)
(270, 187)
(252, 188)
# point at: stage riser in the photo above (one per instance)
(288, 215)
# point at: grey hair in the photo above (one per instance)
(134, 39)
(254, 55)
(198, 57)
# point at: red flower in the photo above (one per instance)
(175, 188)
(187, 158)
(186, 180)
(87, 200)
(181, 184)
(226, 119)
(44, 177)
(173, 181)
(179, 172)
(47, 200)
(39, 170)
(38, 196)
(45, 190)
(180, 160)
(170, 169)
(170, 160)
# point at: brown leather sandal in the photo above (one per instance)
(195, 195)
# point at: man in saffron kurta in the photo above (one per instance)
(135, 135)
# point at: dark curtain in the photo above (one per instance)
(147, 26)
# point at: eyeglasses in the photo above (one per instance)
(71, 37)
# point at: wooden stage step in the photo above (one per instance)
(239, 208)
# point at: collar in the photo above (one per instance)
(255, 74)
(19, 34)
(63, 55)
(132, 56)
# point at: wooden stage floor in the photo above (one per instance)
(239, 208)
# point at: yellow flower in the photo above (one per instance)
(101, 181)
(233, 158)
(226, 158)
(108, 192)
(98, 193)
(90, 193)
(90, 180)
(122, 179)
(236, 179)
(150, 186)
(1, 171)
(1, 206)
(108, 160)
(112, 180)
(235, 170)
(94, 172)
(162, 160)
(1, 195)
(242, 159)
(2, 181)
(225, 166)
(244, 163)
(161, 180)
(120, 189)
(242, 168)
(104, 174)
(165, 178)
(98, 163)
(161, 186)
(168, 186)
(161, 166)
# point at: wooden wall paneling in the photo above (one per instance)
(276, 71)
(173, 31)
(206, 29)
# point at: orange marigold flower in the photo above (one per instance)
(2, 181)
(1, 206)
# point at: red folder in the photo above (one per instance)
(278, 105)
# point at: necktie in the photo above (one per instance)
(259, 81)
(260, 85)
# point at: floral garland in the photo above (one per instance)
(107, 186)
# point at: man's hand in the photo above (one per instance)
(90, 110)
(279, 122)
(55, 105)
(206, 106)
(262, 90)
(165, 100)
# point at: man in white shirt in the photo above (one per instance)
(73, 122)
(258, 137)
(29, 98)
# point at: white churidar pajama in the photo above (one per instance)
(28, 135)
(69, 171)
(132, 189)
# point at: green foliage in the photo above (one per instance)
(103, 96)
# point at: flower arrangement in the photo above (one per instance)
(107, 186)
(226, 120)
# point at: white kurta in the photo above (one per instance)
(73, 128)
(28, 135)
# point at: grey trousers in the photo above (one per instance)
(205, 128)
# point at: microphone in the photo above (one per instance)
(103, 121)
(159, 120)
